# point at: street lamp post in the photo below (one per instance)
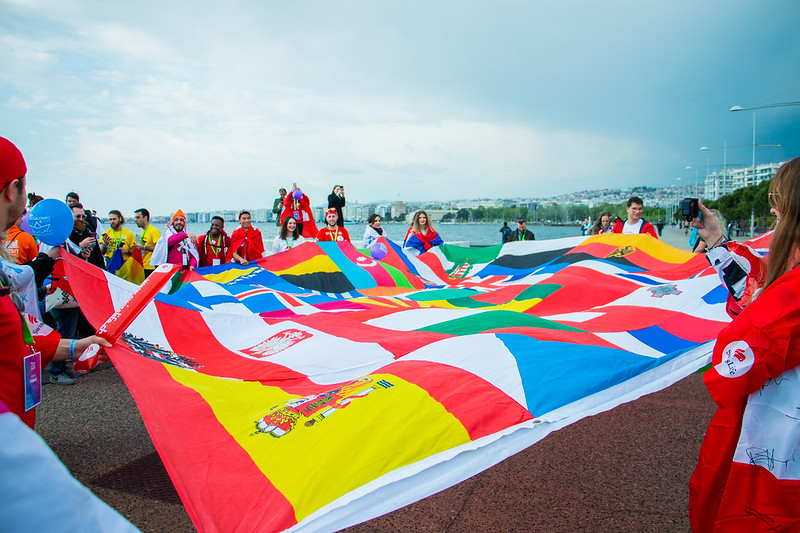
(753, 108)
(724, 167)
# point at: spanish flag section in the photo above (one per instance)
(325, 387)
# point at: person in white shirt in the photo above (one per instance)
(373, 231)
(289, 236)
(635, 223)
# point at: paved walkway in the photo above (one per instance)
(623, 470)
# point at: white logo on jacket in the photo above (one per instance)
(737, 359)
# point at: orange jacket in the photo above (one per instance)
(22, 246)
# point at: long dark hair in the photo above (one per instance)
(784, 195)
(598, 223)
(34, 199)
(285, 229)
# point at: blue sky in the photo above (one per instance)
(203, 105)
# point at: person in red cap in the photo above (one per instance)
(332, 232)
(247, 243)
(176, 246)
(27, 345)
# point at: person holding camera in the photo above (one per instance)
(748, 473)
(336, 200)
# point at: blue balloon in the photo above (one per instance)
(51, 221)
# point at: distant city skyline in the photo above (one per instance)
(132, 106)
(662, 197)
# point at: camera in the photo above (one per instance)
(689, 208)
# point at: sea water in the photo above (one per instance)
(461, 234)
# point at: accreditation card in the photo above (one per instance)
(33, 380)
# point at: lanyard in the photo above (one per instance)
(117, 241)
(215, 247)
(26, 332)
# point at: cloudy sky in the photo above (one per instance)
(214, 105)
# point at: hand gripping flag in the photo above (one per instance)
(116, 324)
(327, 387)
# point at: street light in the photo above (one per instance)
(696, 192)
(753, 108)
(724, 167)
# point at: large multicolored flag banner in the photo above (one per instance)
(318, 388)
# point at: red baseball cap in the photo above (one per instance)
(12, 164)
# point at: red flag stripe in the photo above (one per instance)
(234, 473)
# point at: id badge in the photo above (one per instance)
(33, 380)
(215, 262)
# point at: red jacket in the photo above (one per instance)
(739, 483)
(339, 234)
(249, 245)
(208, 252)
(13, 351)
(301, 211)
(646, 228)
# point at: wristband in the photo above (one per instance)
(723, 242)
(72, 344)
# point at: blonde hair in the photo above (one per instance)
(415, 222)
(784, 194)
(722, 224)
(3, 250)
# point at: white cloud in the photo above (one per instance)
(146, 104)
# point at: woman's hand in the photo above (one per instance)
(707, 226)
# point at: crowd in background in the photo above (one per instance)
(112, 246)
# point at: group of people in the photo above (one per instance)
(31, 472)
(753, 377)
(296, 220)
(522, 233)
(633, 224)
(605, 223)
